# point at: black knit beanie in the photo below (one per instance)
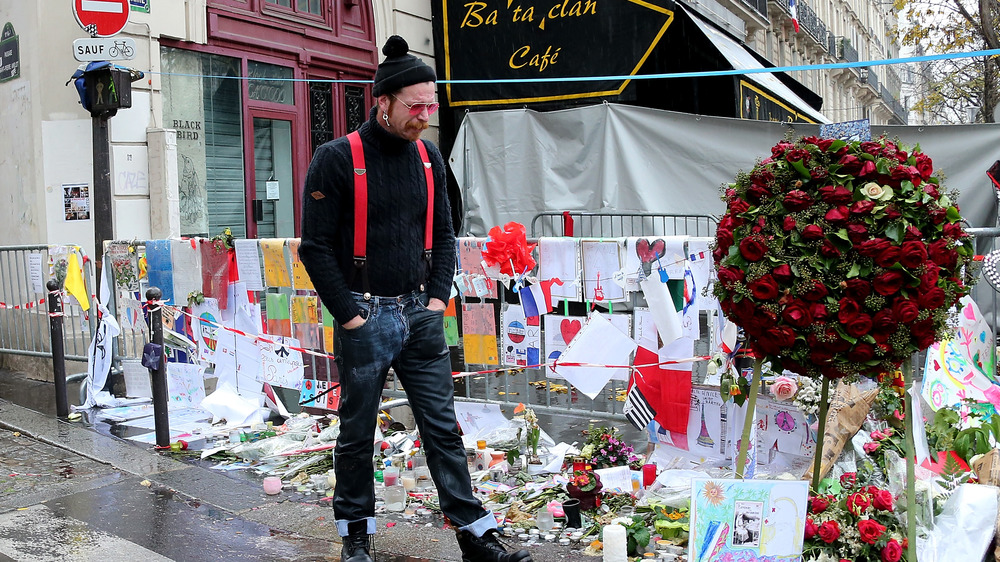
(400, 69)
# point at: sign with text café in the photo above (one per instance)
(556, 40)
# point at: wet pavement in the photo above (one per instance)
(83, 485)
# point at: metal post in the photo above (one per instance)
(58, 349)
(103, 215)
(160, 419)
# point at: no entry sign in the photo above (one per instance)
(101, 18)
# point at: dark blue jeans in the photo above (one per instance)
(403, 333)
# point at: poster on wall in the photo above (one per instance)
(76, 201)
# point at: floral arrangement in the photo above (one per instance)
(808, 396)
(784, 388)
(889, 403)
(840, 257)
(585, 486)
(605, 448)
(853, 523)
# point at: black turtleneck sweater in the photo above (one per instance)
(397, 215)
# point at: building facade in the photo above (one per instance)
(238, 93)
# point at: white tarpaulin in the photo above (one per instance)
(513, 164)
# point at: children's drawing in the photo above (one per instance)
(474, 281)
(275, 267)
(521, 337)
(601, 262)
(305, 321)
(279, 322)
(479, 336)
(559, 258)
(299, 276)
(280, 364)
(751, 520)
(185, 385)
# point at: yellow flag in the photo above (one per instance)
(74, 282)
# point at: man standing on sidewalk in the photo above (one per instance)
(378, 243)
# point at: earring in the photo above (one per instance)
(385, 117)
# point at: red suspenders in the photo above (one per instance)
(361, 202)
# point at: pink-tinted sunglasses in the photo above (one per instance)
(418, 108)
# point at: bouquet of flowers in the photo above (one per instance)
(585, 486)
(853, 523)
(840, 257)
(605, 448)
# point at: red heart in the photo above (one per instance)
(650, 252)
(569, 328)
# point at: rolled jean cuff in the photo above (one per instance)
(342, 526)
(479, 526)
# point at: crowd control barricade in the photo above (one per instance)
(24, 320)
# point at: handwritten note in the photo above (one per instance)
(35, 271)
(248, 264)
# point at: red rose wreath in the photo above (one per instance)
(840, 257)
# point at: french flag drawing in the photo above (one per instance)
(537, 299)
(795, 14)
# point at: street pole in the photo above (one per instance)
(103, 215)
(58, 348)
(161, 421)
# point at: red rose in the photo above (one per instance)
(924, 333)
(862, 352)
(829, 250)
(730, 222)
(857, 233)
(779, 149)
(849, 310)
(892, 551)
(882, 499)
(789, 224)
(867, 169)
(819, 173)
(930, 277)
(905, 310)
(888, 282)
(797, 200)
(924, 165)
(870, 529)
(937, 214)
(954, 230)
(765, 288)
(835, 194)
(940, 254)
(724, 239)
(872, 247)
(932, 299)
(932, 190)
(753, 248)
(781, 336)
(818, 311)
(812, 232)
(829, 531)
(858, 289)
(815, 293)
(818, 504)
(738, 206)
(859, 326)
(756, 192)
(797, 154)
(862, 207)
(811, 528)
(837, 214)
(913, 254)
(884, 322)
(821, 356)
(797, 314)
(849, 479)
(891, 212)
(888, 257)
(900, 173)
(849, 164)
(783, 273)
(729, 275)
(871, 147)
(912, 233)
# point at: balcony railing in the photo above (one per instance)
(847, 51)
(898, 111)
(759, 6)
(809, 21)
(831, 44)
(869, 77)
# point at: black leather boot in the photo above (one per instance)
(358, 544)
(488, 548)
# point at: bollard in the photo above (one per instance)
(58, 348)
(161, 421)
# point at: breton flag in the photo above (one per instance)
(637, 409)
(537, 299)
(795, 14)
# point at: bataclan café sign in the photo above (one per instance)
(524, 39)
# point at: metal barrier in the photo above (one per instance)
(24, 321)
(613, 225)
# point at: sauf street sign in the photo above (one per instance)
(109, 49)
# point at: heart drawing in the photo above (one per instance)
(568, 328)
(649, 252)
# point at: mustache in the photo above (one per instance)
(420, 125)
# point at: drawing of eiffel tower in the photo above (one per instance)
(705, 440)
